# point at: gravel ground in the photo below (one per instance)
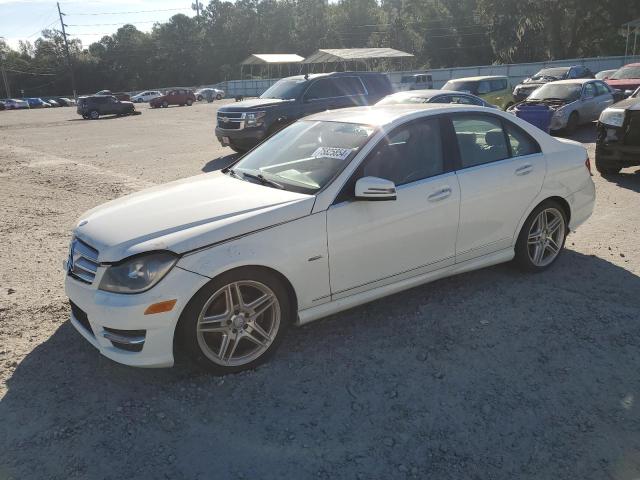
(488, 375)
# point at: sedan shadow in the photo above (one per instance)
(220, 162)
(499, 373)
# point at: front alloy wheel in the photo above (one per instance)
(235, 322)
(542, 237)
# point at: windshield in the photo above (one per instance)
(461, 86)
(285, 89)
(402, 99)
(560, 91)
(552, 72)
(305, 156)
(626, 72)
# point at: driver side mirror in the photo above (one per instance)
(375, 189)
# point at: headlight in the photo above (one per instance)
(138, 273)
(612, 116)
(254, 119)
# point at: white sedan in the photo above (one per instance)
(338, 209)
(146, 96)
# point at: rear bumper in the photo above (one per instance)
(582, 203)
(245, 138)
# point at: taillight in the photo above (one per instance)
(587, 163)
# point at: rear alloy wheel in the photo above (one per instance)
(199, 98)
(219, 96)
(165, 104)
(94, 115)
(542, 237)
(189, 102)
(236, 321)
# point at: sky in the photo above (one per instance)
(87, 20)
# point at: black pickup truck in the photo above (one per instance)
(244, 124)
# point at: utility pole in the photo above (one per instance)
(197, 5)
(4, 74)
(66, 45)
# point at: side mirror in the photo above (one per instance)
(628, 93)
(374, 188)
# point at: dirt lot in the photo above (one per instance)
(491, 374)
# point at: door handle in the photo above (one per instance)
(524, 170)
(440, 194)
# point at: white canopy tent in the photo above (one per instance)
(269, 61)
(368, 57)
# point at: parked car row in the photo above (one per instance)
(35, 102)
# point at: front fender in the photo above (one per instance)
(296, 249)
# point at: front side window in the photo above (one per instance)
(305, 156)
(589, 91)
(480, 139)
(602, 88)
(323, 88)
(347, 86)
(408, 154)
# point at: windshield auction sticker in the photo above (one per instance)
(332, 152)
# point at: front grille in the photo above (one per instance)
(632, 135)
(81, 317)
(231, 120)
(83, 261)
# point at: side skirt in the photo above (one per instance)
(335, 306)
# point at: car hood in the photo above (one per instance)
(253, 104)
(187, 214)
(628, 104)
(626, 84)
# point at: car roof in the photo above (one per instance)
(477, 79)
(577, 81)
(380, 115)
(311, 76)
(632, 65)
(428, 93)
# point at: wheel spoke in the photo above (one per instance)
(251, 337)
(539, 253)
(261, 305)
(224, 346)
(554, 225)
(542, 220)
(236, 341)
(259, 330)
(552, 246)
(534, 238)
(236, 287)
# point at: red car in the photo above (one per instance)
(178, 96)
(627, 78)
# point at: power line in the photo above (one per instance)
(30, 73)
(111, 24)
(124, 13)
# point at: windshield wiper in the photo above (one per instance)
(264, 180)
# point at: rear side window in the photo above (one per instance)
(378, 85)
(498, 85)
(521, 142)
(349, 86)
(480, 139)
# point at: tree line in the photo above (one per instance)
(209, 48)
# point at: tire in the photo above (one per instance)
(219, 96)
(189, 102)
(606, 169)
(94, 115)
(165, 104)
(199, 98)
(572, 123)
(215, 350)
(86, 117)
(534, 237)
